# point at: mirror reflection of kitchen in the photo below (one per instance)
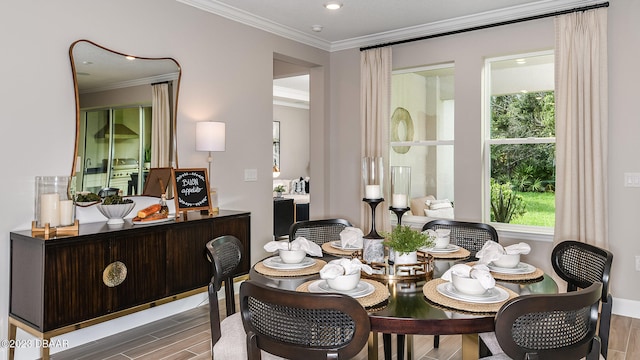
(116, 148)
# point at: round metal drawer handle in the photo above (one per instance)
(114, 274)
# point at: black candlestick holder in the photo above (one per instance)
(373, 234)
(399, 212)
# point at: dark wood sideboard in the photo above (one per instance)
(60, 284)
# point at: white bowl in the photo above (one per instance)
(344, 282)
(467, 285)
(507, 261)
(292, 256)
(441, 242)
(115, 213)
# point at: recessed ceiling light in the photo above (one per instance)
(333, 5)
(316, 28)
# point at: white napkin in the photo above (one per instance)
(335, 268)
(519, 248)
(299, 243)
(351, 237)
(491, 251)
(478, 271)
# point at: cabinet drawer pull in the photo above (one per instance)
(114, 274)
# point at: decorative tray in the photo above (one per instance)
(421, 270)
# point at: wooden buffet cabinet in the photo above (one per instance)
(66, 283)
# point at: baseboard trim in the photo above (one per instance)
(625, 307)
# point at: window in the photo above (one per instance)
(520, 140)
(421, 130)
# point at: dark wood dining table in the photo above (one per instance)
(408, 312)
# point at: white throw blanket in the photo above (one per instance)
(491, 251)
(299, 243)
(478, 271)
(335, 268)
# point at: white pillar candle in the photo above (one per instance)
(66, 212)
(372, 192)
(399, 201)
(50, 209)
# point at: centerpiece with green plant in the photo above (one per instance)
(278, 190)
(406, 241)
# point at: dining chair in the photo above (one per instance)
(551, 327)
(580, 265)
(301, 325)
(468, 235)
(318, 231)
(225, 253)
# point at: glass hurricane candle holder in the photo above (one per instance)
(400, 186)
(54, 204)
(372, 177)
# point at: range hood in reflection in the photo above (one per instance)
(120, 131)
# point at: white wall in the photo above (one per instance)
(227, 75)
(294, 141)
(468, 51)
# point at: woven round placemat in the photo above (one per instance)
(314, 269)
(532, 277)
(375, 300)
(461, 253)
(431, 293)
(327, 248)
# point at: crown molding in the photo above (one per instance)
(267, 25)
(460, 23)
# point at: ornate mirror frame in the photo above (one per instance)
(96, 68)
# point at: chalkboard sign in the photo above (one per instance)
(191, 189)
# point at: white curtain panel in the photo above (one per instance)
(160, 126)
(375, 85)
(581, 127)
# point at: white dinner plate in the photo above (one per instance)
(494, 295)
(169, 218)
(362, 289)
(338, 245)
(276, 263)
(448, 249)
(521, 268)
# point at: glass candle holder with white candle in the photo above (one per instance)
(400, 186)
(372, 177)
(54, 203)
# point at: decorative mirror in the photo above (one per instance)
(126, 110)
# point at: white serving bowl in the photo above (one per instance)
(467, 285)
(115, 213)
(441, 242)
(507, 261)
(344, 282)
(292, 256)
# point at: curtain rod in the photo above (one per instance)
(480, 27)
(161, 82)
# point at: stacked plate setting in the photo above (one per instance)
(493, 295)
(445, 250)
(520, 269)
(338, 245)
(362, 289)
(276, 263)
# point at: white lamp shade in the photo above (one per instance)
(210, 136)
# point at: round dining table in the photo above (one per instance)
(407, 311)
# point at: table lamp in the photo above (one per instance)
(210, 136)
